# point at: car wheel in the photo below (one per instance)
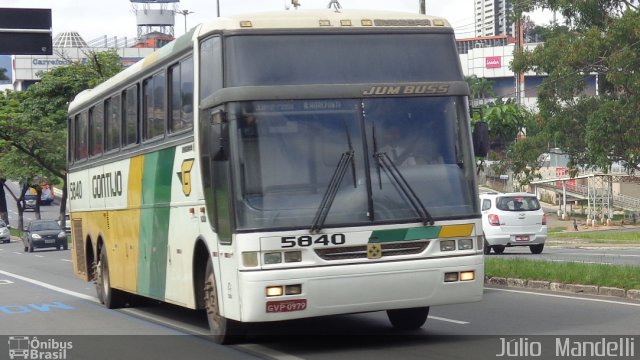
(30, 247)
(536, 249)
(487, 248)
(408, 319)
(65, 246)
(498, 249)
(111, 298)
(221, 329)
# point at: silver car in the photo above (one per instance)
(513, 219)
(5, 237)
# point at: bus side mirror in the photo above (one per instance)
(480, 139)
(219, 137)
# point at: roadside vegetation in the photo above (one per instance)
(619, 276)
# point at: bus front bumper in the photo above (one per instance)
(353, 288)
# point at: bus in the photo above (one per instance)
(282, 165)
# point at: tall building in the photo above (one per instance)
(493, 18)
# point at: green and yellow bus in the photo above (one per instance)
(282, 165)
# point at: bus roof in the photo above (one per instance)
(325, 18)
(292, 19)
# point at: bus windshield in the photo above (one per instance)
(286, 153)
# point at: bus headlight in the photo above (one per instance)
(250, 258)
(465, 244)
(447, 245)
(274, 291)
(272, 258)
(292, 256)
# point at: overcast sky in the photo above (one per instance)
(96, 18)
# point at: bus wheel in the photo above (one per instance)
(408, 319)
(221, 329)
(111, 298)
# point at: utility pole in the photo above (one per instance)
(519, 47)
(185, 13)
(423, 7)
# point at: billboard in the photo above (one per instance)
(25, 31)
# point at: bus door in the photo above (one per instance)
(217, 187)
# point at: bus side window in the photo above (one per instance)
(210, 66)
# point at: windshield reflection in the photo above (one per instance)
(288, 151)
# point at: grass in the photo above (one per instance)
(600, 237)
(619, 276)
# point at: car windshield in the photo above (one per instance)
(48, 225)
(518, 203)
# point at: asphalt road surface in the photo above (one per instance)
(40, 297)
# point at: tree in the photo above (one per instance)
(600, 38)
(480, 88)
(33, 124)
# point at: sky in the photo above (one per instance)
(97, 18)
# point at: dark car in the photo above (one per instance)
(44, 234)
(30, 202)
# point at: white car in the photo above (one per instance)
(512, 219)
(5, 237)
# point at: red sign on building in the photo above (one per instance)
(492, 62)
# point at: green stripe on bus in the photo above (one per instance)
(380, 236)
(154, 222)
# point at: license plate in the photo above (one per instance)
(522, 237)
(49, 241)
(286, 305)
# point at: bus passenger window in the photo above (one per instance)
(130, 126)
(81, 132)
(113, 123)
(96, 130)
(154, 106)
(181, 96)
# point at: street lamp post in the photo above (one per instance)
(185, 13)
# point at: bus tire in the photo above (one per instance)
(408, 319)
(110, 297)
(221, 329)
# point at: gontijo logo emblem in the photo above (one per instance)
(185, 176)
(25, 347)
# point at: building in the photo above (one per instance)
(69, 47)
(493, 18)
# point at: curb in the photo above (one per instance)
(632, 294)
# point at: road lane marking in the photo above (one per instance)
(566, 297)
(65, 260)
(50, 287)
(6, 282)
(40, 256)
(18, 253)
(193, 330)
(460, 322)
(263, 351)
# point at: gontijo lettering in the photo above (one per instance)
(107, 185)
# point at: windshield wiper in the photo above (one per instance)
(332, 190)
(390, 167)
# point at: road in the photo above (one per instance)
(40, 296)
